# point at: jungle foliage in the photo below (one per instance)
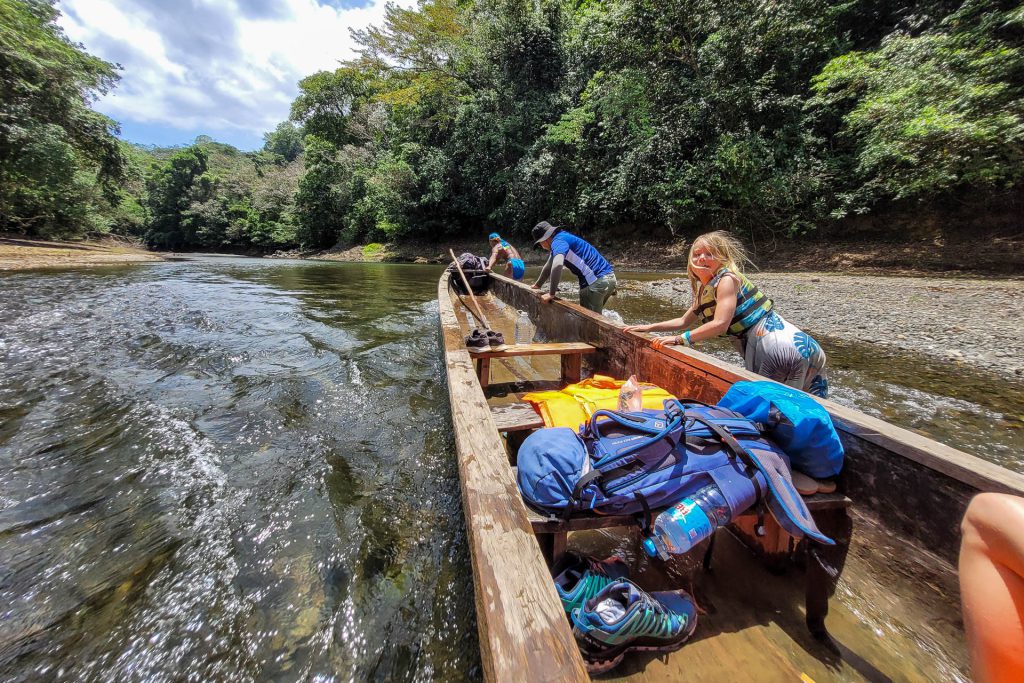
(461, 116)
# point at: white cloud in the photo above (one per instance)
(213, 65)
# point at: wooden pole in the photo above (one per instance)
(475, 308)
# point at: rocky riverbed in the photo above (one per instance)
(972, 321)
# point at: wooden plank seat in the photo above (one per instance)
(571, 352)
(824, 563)
(516, 417)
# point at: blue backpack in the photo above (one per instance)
(632, 463)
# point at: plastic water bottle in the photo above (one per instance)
(523, 334)
(678, 529)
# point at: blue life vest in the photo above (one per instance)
(630, 463)
(793, 420)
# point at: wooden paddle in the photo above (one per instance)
(475, 308)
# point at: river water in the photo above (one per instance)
(240, 469)
(229, 469)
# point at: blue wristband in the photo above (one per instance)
(686, 338)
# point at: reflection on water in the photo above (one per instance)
(229, 469)
(956, 404)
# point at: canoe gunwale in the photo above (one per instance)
(522, 628)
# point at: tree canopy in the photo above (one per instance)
(60, 165)
(459, 116)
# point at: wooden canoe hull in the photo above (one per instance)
(915, 486)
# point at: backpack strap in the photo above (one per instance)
(577, 492)
(734, 448)
(669, 428)
(646, 520)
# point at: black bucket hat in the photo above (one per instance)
(543, 231)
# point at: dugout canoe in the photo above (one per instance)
(908, 496)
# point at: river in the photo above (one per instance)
(241, 469)
(229, 469)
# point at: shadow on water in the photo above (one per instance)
(229, 469)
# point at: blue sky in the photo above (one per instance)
(224, 68)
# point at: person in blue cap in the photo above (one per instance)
(503, 251)
(597, 279)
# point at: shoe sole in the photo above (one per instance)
(608, 660)
(499, 347)
(478, 349)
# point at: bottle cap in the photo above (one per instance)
(650, 548)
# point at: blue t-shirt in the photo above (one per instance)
(581, 257)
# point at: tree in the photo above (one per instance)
(53, 147)
(923, 115)
(170, 192)
(318, 200)
(285, 141)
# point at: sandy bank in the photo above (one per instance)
(18, 253)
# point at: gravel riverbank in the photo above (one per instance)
(971, 321)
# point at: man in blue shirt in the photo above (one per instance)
(597, 280)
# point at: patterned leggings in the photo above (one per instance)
(779, 350)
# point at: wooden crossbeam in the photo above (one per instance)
(516, 417)
(571, 352)
(558, 349)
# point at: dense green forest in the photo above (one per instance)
(459, 116)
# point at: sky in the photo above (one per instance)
(224, 68)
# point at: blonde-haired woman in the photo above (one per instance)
(726, 302)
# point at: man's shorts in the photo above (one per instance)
(518, 268)
(597, 294)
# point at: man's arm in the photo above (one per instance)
(542, 278)
(557, 262)
(494, 256)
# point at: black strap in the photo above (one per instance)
(647, 520)
(737, 317)
(577, 492)
(699, 311)
(735, 449)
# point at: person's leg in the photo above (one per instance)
(778, 350)
(992, 586)
(817, 377)
(591, 299)
(597, 294)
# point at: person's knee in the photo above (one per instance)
(988, 512)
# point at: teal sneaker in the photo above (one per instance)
(623, 618)
(577, 579)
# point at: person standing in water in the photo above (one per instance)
(726, 302)
(502, 251)
(595, 274)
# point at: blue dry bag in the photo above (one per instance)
(794, 420)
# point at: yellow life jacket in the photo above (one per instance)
(573, 405)
(751, 304)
